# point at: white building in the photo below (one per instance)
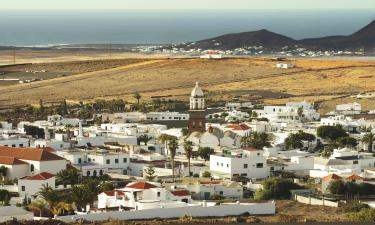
(167, 116)
(349, 108)
(290, 113)
(23, 162)
(143, 195)
(96, 162)
(284, 65)
(30, 185)
(231, 163)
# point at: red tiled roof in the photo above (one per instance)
(141, 185)
(332, 177)
(241, 126)
(40, 176)
(10, 161)
(34, 154)
(354, 177)
(181, 193)
(112, 193)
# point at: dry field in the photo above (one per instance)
(325, 81)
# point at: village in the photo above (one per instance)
(205, 162)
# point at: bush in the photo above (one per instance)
(217, 197)
(331, 132)
(365, 215)
(206, 174)
(276, 188)
(354, 206)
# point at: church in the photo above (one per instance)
(197, 112)
(207, 135)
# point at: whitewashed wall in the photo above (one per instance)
(195, 211)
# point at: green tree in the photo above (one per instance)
(38, 205)
(144, 138)
(337, 187)
(4, 197)
(3, 172)
(68, 176)
(347, 142)
(188, 147)
(331, 132)
(205, 152)
(369, 139)
(137, 96)
(49, 195)
(276, 188)
(172, 145)
(295, 140)
(150, 173)
(256, 140)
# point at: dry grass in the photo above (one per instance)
(312, 80)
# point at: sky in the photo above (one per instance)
(187, 4)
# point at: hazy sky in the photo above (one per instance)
(187, 4)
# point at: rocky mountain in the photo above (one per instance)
(362, 39)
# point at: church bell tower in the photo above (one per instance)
(197, 112)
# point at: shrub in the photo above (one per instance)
(365, 215)
(276, 188)
(206, 174)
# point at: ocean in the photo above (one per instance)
(53, 27)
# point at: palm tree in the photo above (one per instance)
(188, 147)
(144, 138)
(172, 145)
(165, 138)
(38, 205)
(369, 139)
(137, 96)
(60, 208)
(50, 196)
(68, 176)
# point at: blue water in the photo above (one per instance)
(31, 28)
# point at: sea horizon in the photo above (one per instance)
(43, 28)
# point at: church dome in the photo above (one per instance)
(197, 91)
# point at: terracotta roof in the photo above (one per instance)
(10, 161)
(181, 193)
(241, 126)
(112, 193)
(332, 177)
(141, 185)
(354, 177)
(40, 176)
(34, 154)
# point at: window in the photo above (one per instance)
(243, 174)
(79, 160)
(124, 160)
(88, 173)
(158, 194)
(108, 161)
(259, 165)
(221, 192)
(245, 166)
(21, 145)
(13, 146)
(227, 165)
(355, 162)
(23, 188)
(217, 163)
(89, 159)
(258, 153)
(116, 161)
(272, 168)
(31, 168)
